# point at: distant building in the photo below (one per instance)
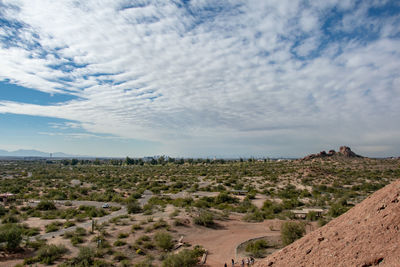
(302, 214)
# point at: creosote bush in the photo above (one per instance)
(10, 236)
(204, 218)
(291, 231)
(164, 240)
(257, 248)
(47, 254)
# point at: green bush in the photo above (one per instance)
(257, 248)
(164, 240)
(144, 263)
(10, 219)
(337, 209)
(119, 243)
(185, 258)
(133, 206)
(311, 216)
(256, 216)
(46, 205)
(291, 231)
(11, 235)
(47, 254)
(204, 218)
(53, 227)
(3, 210)
(123, 235)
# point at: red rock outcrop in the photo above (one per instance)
(366, 235)
(344, 151)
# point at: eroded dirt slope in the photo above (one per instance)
(366, 235)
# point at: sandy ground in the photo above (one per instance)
(221, 243)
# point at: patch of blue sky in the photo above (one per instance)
(67, 66)
(129, 4)
(389, 8)
(53, 135)
(332, 31)
(11, 123)
(208, 13)
(12, 92)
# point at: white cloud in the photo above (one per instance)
(186, 77)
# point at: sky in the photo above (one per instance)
(276, 78)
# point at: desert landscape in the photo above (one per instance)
(189, 212)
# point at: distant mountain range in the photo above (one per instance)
(33, 153)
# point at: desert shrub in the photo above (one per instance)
(291, 231)
(76, 239)
(119, 256)
(322, 222)
(133, 206)
(3, 210)
(125, 263)
(9, 218)
(91, 211)
(256, 216)
(160, 224)
(47, 254)
(271, 207)
(225, 198)
(85, 257)
(144, 263)
(143, 238)
(204, 218)
(68, 224)
(337, 209)
(52, 227)
(311, 216)
(136, 227)
(101, 242)
(119, 243)
(257, 248)
(11, 235)
(123, 235)
(185, 258)
(31, 231)
(46, 205)
(163, 240)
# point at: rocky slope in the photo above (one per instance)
(366, 235)
(344, 151)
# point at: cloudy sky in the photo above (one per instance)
(200, 78)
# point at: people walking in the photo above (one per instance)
(242, 265)
(233, 263)
(225, 265)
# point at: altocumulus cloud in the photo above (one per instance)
(239, 77)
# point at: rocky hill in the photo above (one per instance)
(366, 235)
(344, 151)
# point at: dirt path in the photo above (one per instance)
(221, 243)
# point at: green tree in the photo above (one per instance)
(291, 231)
(11, 235)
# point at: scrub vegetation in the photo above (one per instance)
(139, 212)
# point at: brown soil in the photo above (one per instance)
(366, 235)
(222, 241)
